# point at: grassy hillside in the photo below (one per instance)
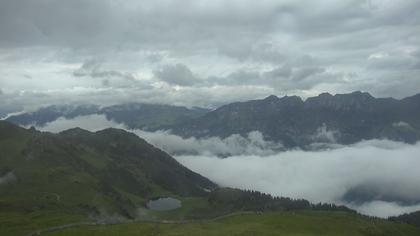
(280, 223)
(83, 173)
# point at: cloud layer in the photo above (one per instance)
(253, 144)
(389, 169)
(376, 177)
(204, 53)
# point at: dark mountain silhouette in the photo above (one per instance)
(133, 115)
(326, 118)
(341, 118)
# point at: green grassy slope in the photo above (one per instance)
(83, 173)
(298, 223)
(22, 223)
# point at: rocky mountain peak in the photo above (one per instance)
(354, 100)
(361, 95)
(271, 98)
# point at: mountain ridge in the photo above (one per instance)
(354, 117)
(290, 120)
(113, 171)
(133, 115)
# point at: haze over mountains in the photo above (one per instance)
(267, 137)
(133, 115)
(340, 118)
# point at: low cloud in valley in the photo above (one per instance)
(376, 177)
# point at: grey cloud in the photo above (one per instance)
(155, 57)
(251, 51)
(416, 53)
(329, 19)
(102, 76)
(387, 82)
(284, 77)
(252, 144)
(178, 74)
(239, 77)
(384, 209)
(87, 68)
(92, 123)
(91, 23)
(303, 73)
(93, 69)
(287, 78)
(48, 22)
(284, 71)
(325, 135)
(210, 97)
(112, 23)
(242, 47)
(105, 82)
(325, 176)
(394, 61)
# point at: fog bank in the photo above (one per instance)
(386, 171)
(253, 144)
(376, 177)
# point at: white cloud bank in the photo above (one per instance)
(253, 144)
(386, 169)
(92, 123)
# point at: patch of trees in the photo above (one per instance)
(410, 218)
(248, 200)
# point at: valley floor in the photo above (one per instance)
(275, 223)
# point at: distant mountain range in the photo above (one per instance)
(151, 116)
(340, 118)
(133, 115)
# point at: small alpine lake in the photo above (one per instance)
(164, 204)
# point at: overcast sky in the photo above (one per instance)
(204, 53)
